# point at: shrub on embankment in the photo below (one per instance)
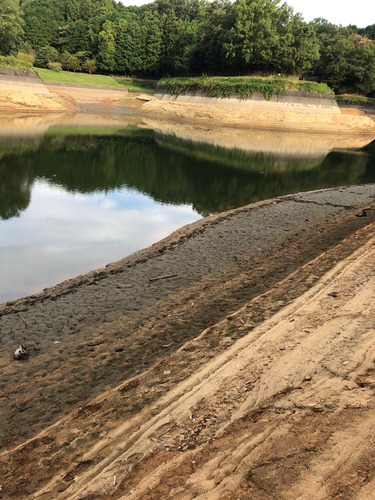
(243, 87)
(356, 99)
(13, 62)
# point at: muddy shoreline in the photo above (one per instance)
(116, 321)
(89, 335)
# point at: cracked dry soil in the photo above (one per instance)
(183, 387)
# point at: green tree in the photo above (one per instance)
(89, 65)
(42, 21)
(106, 47)
(75, 63)
(347, 60)
(215, 20)
(66, 60)
(10, 25)
(46, 55)
(153, 44)
(172, 29)
(270, 38)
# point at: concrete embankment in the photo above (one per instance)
(24, 90)
(291, 100)
(22, 81)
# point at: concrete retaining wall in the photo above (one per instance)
(21, 81)
(292, 100)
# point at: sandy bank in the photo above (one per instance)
(262, 118)
(20, 101)
(118, 359)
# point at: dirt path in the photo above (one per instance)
(118, 326)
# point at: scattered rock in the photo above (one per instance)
(333, 294)
(21, 352)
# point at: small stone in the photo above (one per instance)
(333, 294)
(57, 342)
(167, 372)
(345, 362)
(282, 348)
(307, 377)
(21, 352)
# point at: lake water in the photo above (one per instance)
(79, 192)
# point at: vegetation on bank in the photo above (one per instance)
(244, 87)
(49, 76)
(132, 84)
(13, 62)
(356, 99)
(138, 85)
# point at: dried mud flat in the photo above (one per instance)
(248, 372)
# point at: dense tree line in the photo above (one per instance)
(180, 37)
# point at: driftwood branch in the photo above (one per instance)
(163, 277)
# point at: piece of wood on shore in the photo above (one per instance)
(163, 277)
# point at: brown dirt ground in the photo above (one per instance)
(273, 400)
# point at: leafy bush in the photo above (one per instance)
(355, 99)
(243, 87)
(54, 66)
(13, 62)
(22, 56)
(46, 55)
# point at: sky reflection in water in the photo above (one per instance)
(61, 235)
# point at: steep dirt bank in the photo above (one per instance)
(119, 357)
(271, 119)
(21, 101)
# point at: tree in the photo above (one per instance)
(270, 38)
(66, 60)
(54, 66)
(10, 25)
(107, 47)
(75, 63)
(89, 65)
(347, 61)
(172, 29)
(46, 55)
(215, 20)
(42, 21)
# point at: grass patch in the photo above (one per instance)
(77, 78)
(13, 62)
(356, 99)
(243, 87)
(136, 85)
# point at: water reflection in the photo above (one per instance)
(210, 174)
(79, 192)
